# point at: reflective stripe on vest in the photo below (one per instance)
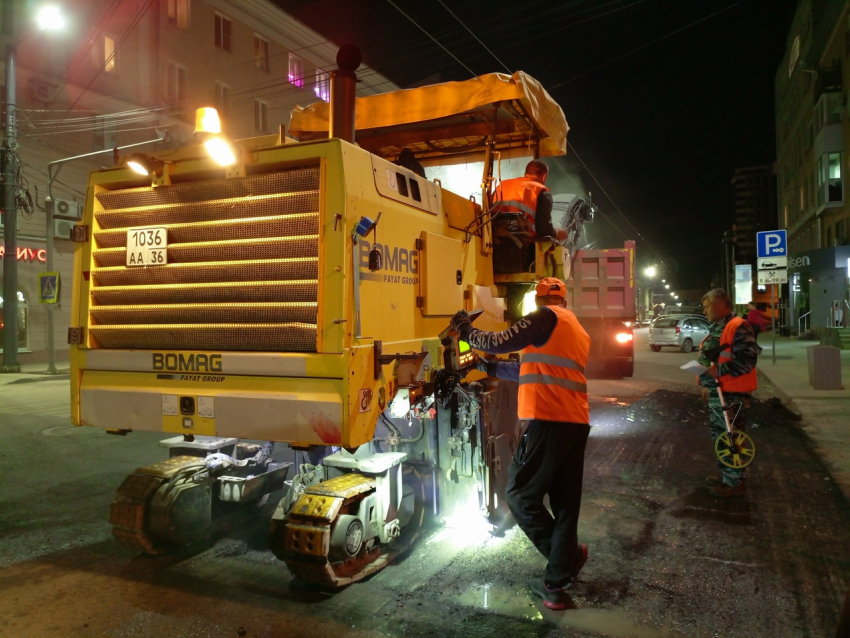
(518, 195)
(551, 359)
(747, 382)
(552, 386)
(547, 379)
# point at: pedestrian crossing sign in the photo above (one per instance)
(48, 287)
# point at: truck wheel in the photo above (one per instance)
(687, 345)
(655, 348)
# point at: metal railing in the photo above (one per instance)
(803, 320)
(838, 316)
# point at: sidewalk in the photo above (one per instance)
(826, 413)
(36, 372)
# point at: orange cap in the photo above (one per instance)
(550, 286)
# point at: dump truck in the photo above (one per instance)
(296, 289)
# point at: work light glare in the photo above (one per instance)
(49, 18)
(137, 167)
(207, 120)
(220, 151)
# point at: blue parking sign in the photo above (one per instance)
(772, 243)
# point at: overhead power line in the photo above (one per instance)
(610, 199)
(613, 203)
(432, 37)
(505, 66)
(643, 46)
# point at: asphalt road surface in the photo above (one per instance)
(666, 558)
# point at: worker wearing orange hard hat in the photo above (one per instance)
(553, 409)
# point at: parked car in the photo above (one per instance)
(685, 332)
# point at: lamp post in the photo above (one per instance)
(650, 272)
(10, 219)
(9, 197)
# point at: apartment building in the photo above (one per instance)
(754, 201)
(812, 131)
(127, 71)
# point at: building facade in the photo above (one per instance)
(127, 71)
(812, 131)
(754, 201)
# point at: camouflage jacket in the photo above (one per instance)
(744, 351)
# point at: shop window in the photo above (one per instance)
(261, 53)
(178, 13)
(23, 335)
(296, 70)
(222, 32)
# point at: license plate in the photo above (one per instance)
(147, 246)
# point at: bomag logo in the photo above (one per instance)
(174, 362)
(395, 260)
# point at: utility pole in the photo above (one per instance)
(10, 216)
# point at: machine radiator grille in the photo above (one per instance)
(242, 271)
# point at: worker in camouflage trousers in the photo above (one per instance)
(730, 353)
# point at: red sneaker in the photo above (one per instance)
(553, 597)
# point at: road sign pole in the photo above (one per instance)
(773, 319)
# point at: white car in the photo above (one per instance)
(685, 332)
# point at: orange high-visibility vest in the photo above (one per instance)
(552, 386)
(519, 195)
(744, 383)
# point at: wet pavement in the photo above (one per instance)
(666, 558)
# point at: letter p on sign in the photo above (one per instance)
(772, 243)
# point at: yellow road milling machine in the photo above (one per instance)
(296, 288)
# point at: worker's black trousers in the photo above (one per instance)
(550, 460)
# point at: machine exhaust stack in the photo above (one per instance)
(343, 87)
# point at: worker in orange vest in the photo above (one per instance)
(730, 353)
(553, 409)
(529, 198)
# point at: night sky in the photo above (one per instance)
(660, 112)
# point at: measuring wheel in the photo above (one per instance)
(737, 452)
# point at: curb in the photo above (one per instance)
(779, 392)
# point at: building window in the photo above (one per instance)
(830, 184)
(222, 32)
(103, 55)
(841, 231)
(174, 83)
(222, 97)
(23, 342)
(261, 116)
(38, 90)
(178, 13)
(323, 86)
(829, 237)
(261, 53)
(296, 70)
(105, 135)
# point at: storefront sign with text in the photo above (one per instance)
(28, 254)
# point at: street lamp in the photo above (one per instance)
(48, 18)
(667, 286)
(650, 271)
